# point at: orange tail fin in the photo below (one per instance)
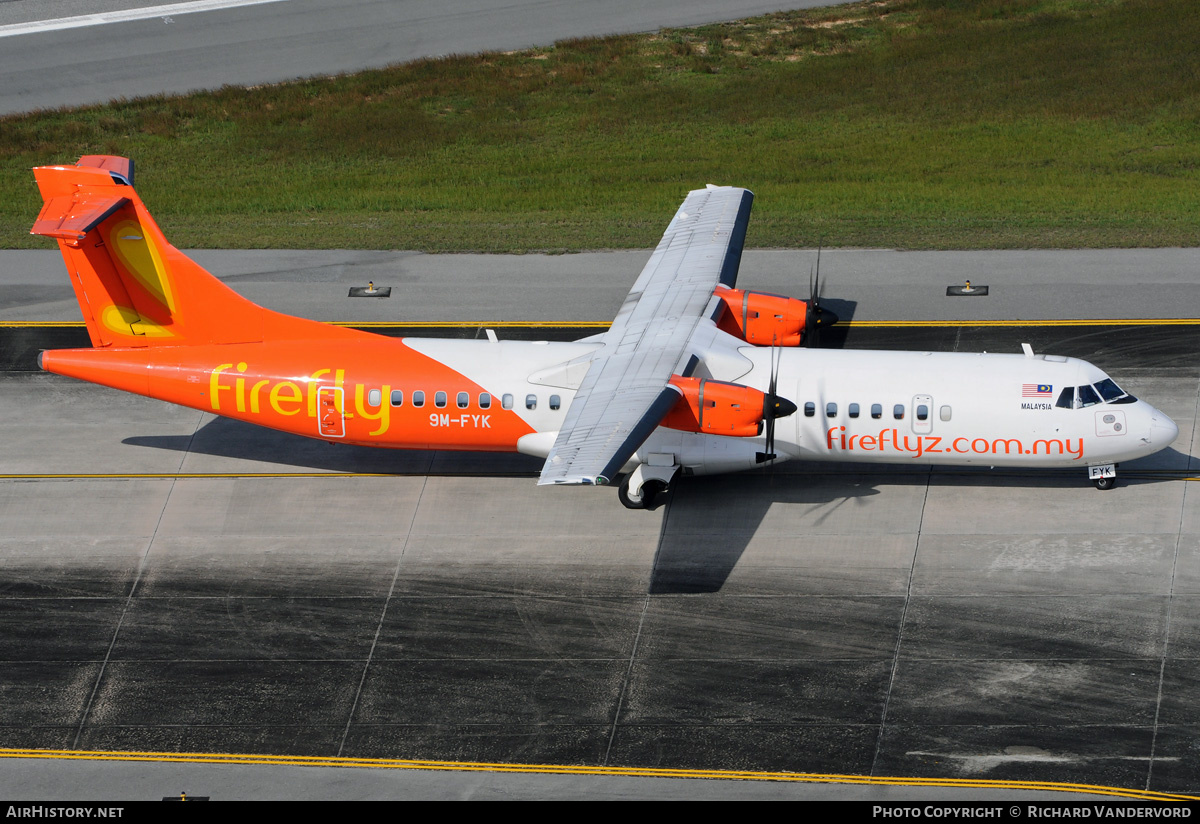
(134, 288)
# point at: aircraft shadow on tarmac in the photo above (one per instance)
(709, 522)
(227, 438)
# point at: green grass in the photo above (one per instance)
(902, 123)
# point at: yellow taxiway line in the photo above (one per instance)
(137, 476)
(867, 324)
(1159, 474)
(596, 324)
(555, 769)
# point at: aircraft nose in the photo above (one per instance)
(1163, 430)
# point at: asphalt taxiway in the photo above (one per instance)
(156, 47)
(176, 582)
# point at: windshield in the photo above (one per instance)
(1109, 390)
(1106, 391)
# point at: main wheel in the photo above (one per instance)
(1105, 483)
(650, 491)
(627, 500)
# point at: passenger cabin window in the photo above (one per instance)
(374, 397)
(463, 400)
(922, 412)
(831, 410)
(485, 400)
(418, 398)
(876, 410)
(531, 401)
(898, 411)
(944, 413)
(555, 402)
(1088, 396)
(506, 401)
(397, 397)
(1066, 398)
(439, 400)
(854, 410)
(810, 409)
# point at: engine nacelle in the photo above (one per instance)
(716, 408)
(762, 319)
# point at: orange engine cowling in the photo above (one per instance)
(716, 408)
(762, 319)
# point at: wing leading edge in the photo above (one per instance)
(626, 393)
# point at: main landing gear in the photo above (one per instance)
(644, 485)
(1103, 476)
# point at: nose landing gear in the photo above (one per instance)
(1103, 476)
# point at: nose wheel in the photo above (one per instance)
(1104, 476)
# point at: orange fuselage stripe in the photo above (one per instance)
(279, 384)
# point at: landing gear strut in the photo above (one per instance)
(644, 485)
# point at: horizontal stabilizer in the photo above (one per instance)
(70, 217)
(120, 169)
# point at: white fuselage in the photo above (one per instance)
(956, 408)
(868, 406)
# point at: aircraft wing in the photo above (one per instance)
(625, 392)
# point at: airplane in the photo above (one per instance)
(694, 376)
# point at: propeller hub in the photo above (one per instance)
(825, 317)
(783, 407)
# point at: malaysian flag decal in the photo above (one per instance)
(1036, 390)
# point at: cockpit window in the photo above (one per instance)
(1106, 391)
(1109, 390)
(1088, 396)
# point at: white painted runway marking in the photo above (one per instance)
(165, 11)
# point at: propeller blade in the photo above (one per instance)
(816, 318)
(773, 407)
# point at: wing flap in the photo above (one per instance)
(615, 445)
